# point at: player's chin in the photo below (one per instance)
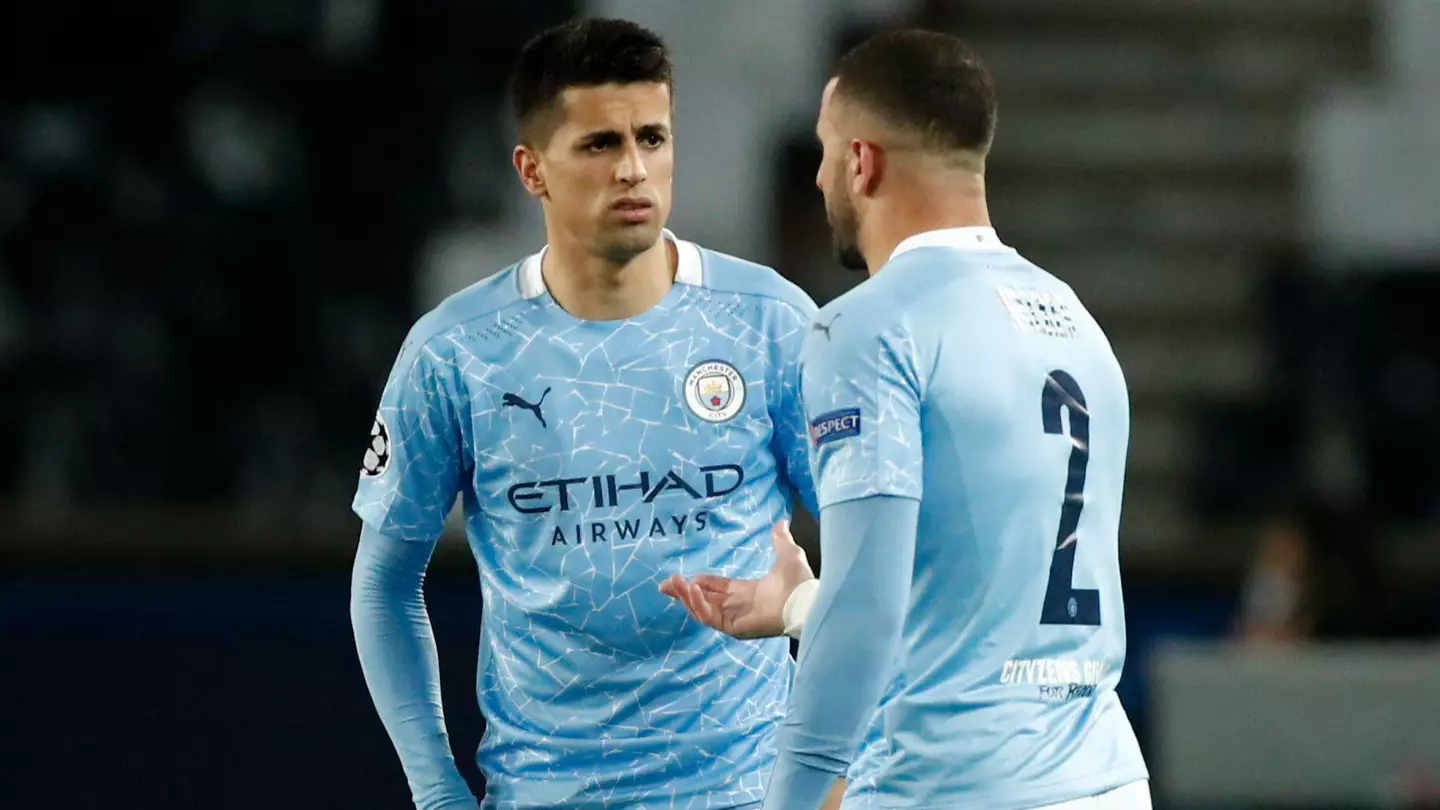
(851, 258)
(625, 243)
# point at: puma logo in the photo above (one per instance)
(824, 327)
(514, 400)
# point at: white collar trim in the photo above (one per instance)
(975, 237)
(688, 268)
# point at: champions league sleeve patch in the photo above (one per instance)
(829, 427)
(377, 454)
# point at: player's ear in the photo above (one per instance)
(865, 164)
(527, 165)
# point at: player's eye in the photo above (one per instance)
(600, 143)
(654, 140)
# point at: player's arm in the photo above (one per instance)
(408, 484)
(791, 441)
(854, 628)
(836, 797)
(402, 670)
(862, 392)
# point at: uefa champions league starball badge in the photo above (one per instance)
(377, 454)
(714, 391)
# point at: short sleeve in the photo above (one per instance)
(414, 459)
(862, 394)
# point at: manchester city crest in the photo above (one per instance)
(714, 391)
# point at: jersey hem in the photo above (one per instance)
(1040, 796)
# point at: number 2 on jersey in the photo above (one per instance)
(1064, 604)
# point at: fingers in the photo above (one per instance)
(785, 546)
(700, 607)
(704, 604)
(711, 583)
(781, 537)
(672, 585)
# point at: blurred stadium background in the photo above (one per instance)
(219, 217)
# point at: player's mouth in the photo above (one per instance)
(634, 209)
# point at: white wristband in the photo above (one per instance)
(797, 607)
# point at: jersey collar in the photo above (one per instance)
(975, 238)
(687, 267)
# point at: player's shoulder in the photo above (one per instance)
(953, 289)
(917, 296)
(853, 324)
(731, 274)
(486, 299)
(871, 308)
(936, 269)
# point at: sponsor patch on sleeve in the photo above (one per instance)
(841, 424)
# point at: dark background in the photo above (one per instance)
(214, 218)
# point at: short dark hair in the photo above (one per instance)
(582, 53)
(929, 83)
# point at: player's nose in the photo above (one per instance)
(631, 168)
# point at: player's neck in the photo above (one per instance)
(922, 207)
(593, 288)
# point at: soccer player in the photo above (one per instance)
(621, 406)
(970, 426)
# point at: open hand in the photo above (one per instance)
(746, 608)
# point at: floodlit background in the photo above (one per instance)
(219, 217)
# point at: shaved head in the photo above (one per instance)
(918, 91)
(905, 126)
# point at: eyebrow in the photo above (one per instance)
(612, 136)
(604, 137)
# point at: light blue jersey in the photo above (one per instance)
(966, 378)
(594, 459)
